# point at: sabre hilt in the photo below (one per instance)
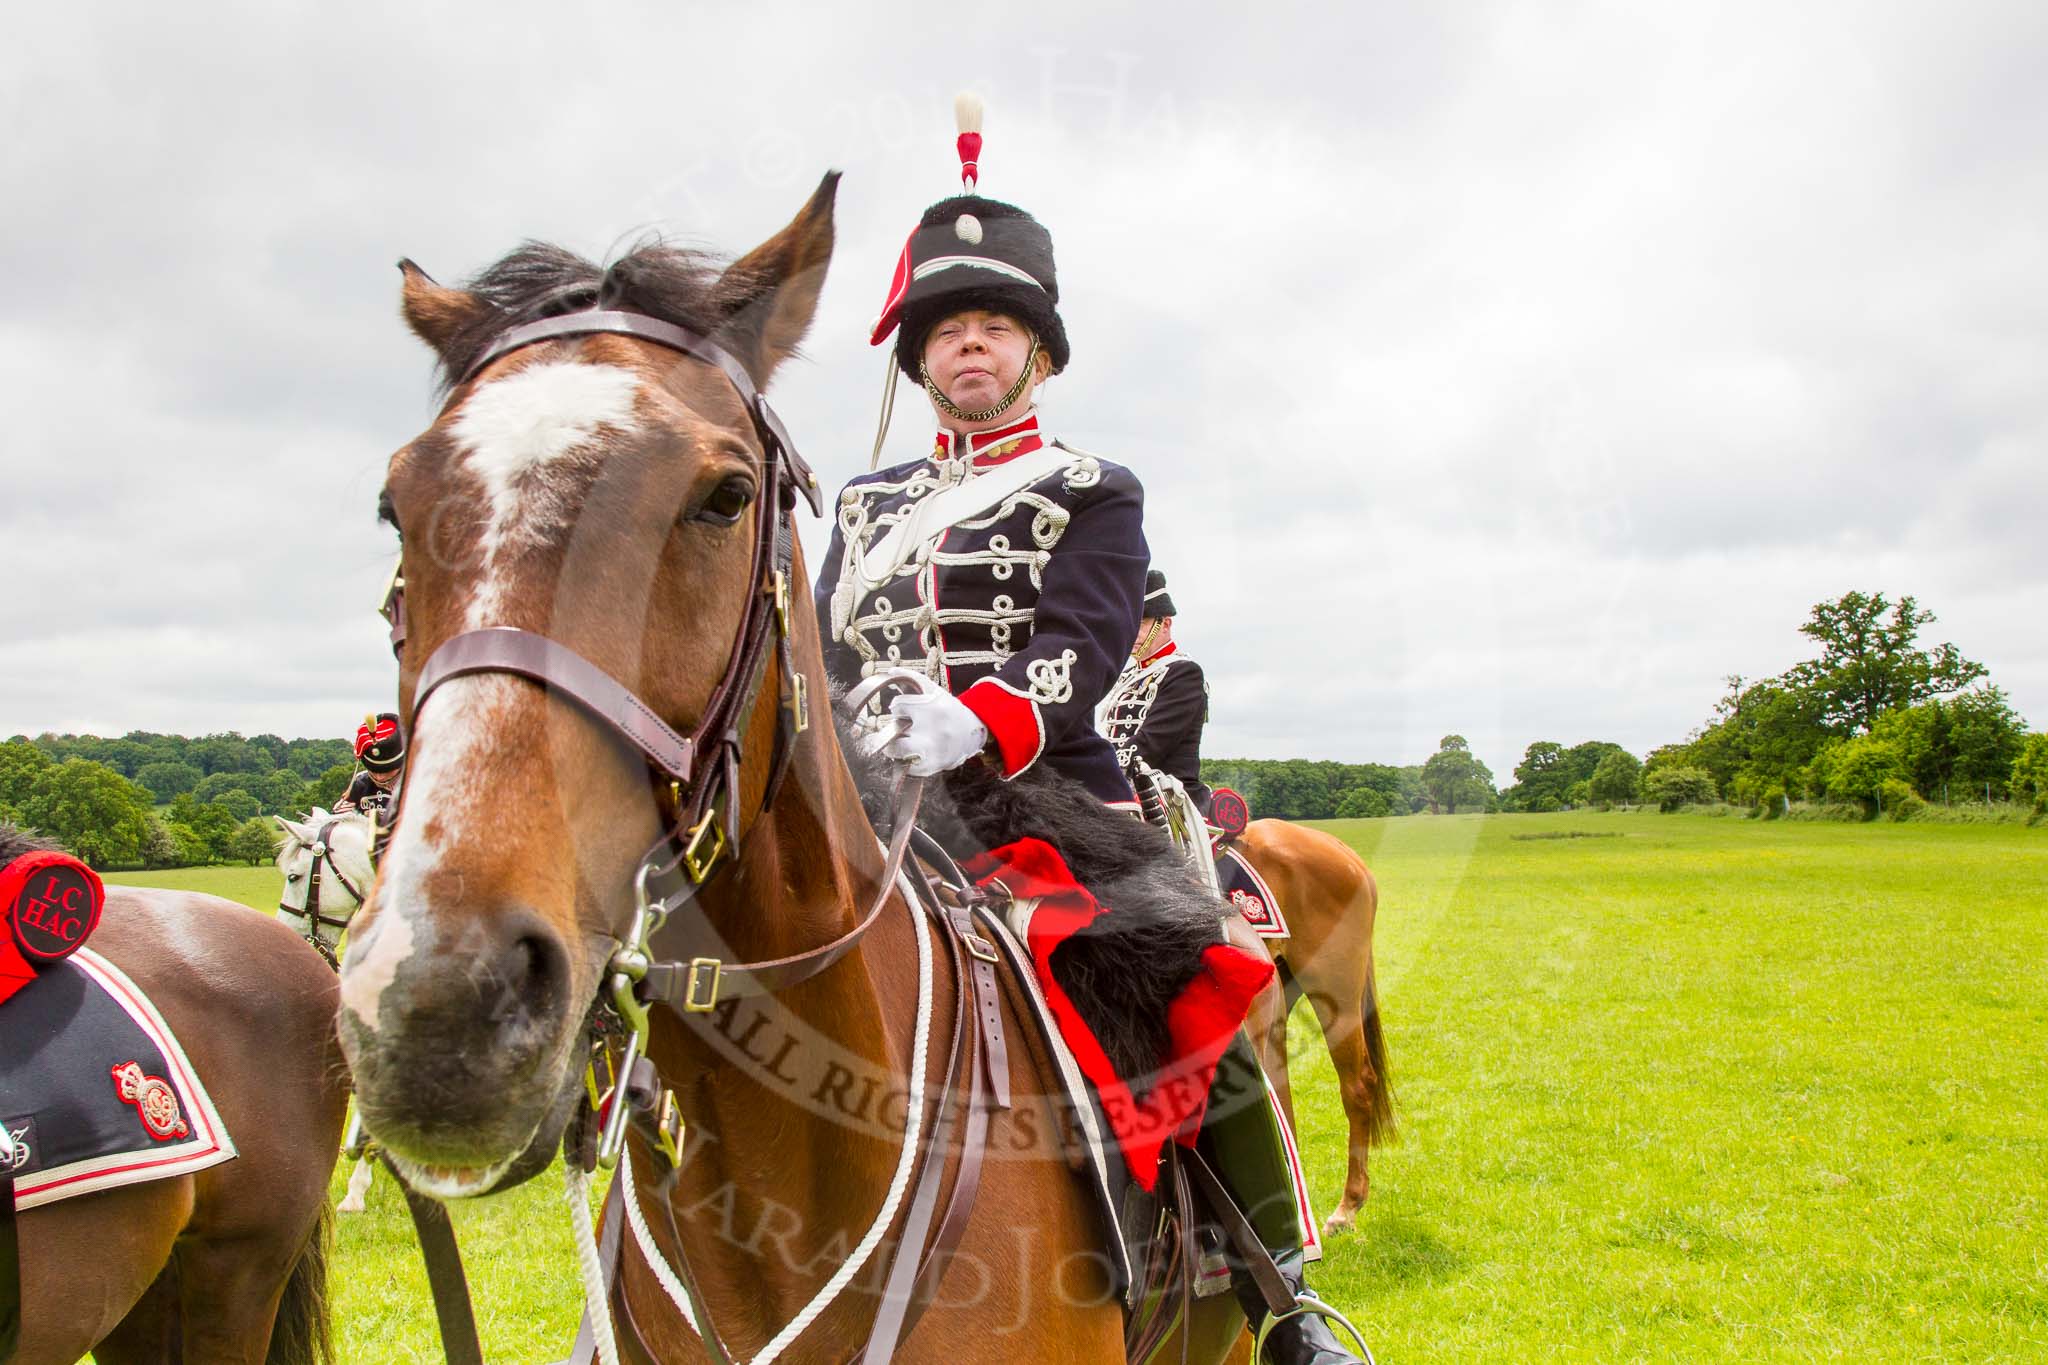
(1150, 802)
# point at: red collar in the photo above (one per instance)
(987, 448)
(1156, 655)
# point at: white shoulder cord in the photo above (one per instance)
(899, 1184)
(888, 407)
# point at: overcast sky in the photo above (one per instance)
(1510, 370)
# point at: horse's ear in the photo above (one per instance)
(769, 295)
(435, 312)
(289, 828)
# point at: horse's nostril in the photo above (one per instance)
(532, 971)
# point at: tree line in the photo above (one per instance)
(151, 800)
(1876, 722)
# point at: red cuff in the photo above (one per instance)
(1013, 720)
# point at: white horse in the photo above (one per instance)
(327, 864)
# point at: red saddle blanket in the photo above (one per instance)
(1201, 1020)
(95, 1091)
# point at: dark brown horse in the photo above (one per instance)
(604, 491)
(1329, 900)
(227, 1264)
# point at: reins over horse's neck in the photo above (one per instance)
(792, 1103)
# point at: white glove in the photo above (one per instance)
(929, 730)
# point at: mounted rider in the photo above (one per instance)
(1000, 579)
(380, 749)
(1160, 702)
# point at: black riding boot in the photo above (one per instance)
(1241, 1141)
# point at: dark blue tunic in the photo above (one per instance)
(1022, 595)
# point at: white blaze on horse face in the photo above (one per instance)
(448, 799)
(519, 437)
(516, 434)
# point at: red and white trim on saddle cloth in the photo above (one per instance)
(1260, 908)
(207, 1143)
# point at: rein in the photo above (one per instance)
(697, 780)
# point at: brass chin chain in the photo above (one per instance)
(1001, 405)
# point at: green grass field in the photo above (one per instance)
(1694, 1089)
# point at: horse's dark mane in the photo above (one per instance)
(15, 841)
(540, 280)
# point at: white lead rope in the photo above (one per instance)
(596, 1311)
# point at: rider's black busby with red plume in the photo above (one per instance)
(969, 252)
(380, 745)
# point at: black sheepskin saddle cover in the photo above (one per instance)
(1123, 972)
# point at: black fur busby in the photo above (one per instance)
(974, 253)
(1158, 601)
(380, 743)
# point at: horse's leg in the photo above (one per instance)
(1349, 1034)
(231, 1288)
(87, 1262)
(358, 1187)
(149, 1334)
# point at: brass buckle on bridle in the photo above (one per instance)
(700, 993)
(697, 863)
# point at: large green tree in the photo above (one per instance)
(1871, 660)
(1616, 778)
(93, 810)
(1453, 777)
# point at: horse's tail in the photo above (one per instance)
(1379, 1110)
(302, 1334)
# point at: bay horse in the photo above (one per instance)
(602, 481)
(1330, 901)
(228, 1263)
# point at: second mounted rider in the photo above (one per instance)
(380, 749)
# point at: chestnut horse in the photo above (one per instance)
(619, 496)
(1329, 899)
(229, 1263)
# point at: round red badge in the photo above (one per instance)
(51, 901)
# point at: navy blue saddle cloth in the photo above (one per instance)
(95, 1091)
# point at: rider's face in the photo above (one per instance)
(385, 779)
(974, 357)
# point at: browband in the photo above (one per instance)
(614, 322)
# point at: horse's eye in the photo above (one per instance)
(293, 876)
(727, 502)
